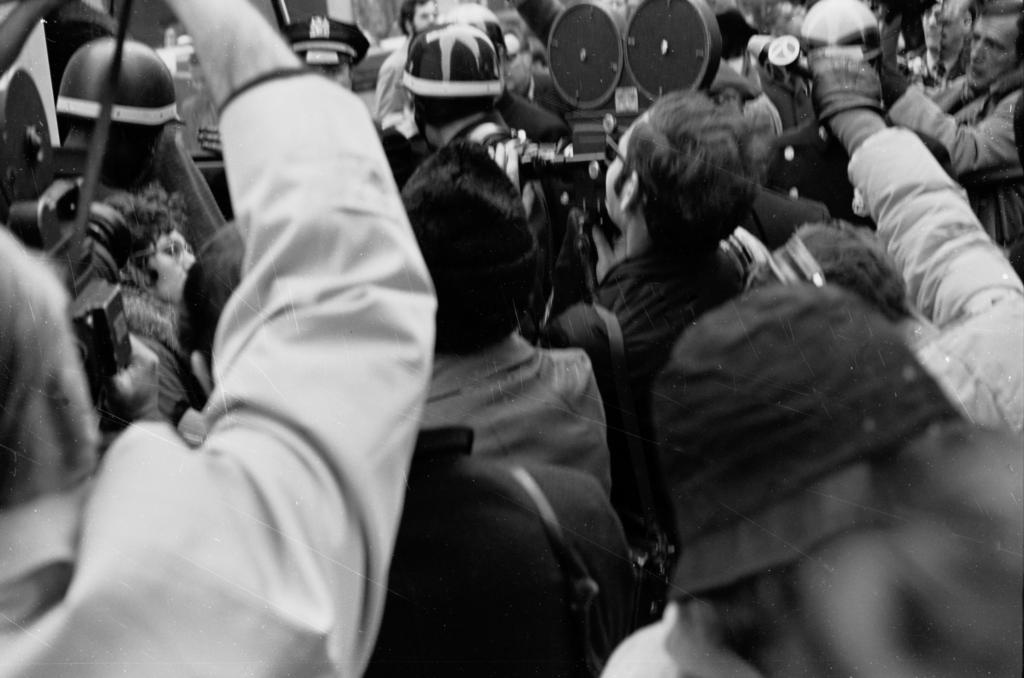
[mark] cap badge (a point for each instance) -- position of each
(319, 28)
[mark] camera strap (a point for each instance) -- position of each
(624, 394)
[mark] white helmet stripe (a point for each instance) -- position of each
(130, 114)
(453, 89)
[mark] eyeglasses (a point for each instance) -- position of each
(175, 249)
(611, 150)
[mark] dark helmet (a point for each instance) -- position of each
(145, 89)
(478, 16)
(452, 62)
(840, 23)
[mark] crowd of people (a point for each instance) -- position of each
(412, 411)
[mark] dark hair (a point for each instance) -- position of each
(439, 112)
(210, 283)
(149, 213)
(471, 226)
(407, 11)
(854, 259)
(699, 168)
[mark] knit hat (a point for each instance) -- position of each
(472, 230)
(789, 388)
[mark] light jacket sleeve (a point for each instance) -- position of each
(955, 275)
(987, 145)
(265, 552)
(949, 263)
(325, 348)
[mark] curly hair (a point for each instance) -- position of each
(699, 169)
(149, 213)
(856, 260)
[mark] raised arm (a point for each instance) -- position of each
(288, 514)
(988, 145)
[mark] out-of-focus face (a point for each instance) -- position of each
(994, 50)
(424, 17)
(611, 196)
(946, 26)
(519, 70)
(340, 73)
(170, 260)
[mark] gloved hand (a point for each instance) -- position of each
(843, 81)
(894, 84)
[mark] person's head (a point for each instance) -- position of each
(48, 429)
(210, 283)
(519, 61)
(161, 256)
(416, 16)
(854, 259)
(946, 26)
(686, 175)
(453, 73)
(144, 102)
(998, 44)
(781, 421)
(331, 47)
(471, 226)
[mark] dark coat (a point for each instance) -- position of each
(790, 93)
(476, 588)
(808, 162)
(655, 299)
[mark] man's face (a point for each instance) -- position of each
(993, 52)
(519, 70)
(424, 17)
(611, 196)
(170, 260)
(945, 28)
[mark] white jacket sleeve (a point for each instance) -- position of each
(325, 348)
(949, 263)
(954, 274)
(266, 552)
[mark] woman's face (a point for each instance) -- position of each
(171, 259)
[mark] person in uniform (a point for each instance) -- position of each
(806, 161)
(331, 47)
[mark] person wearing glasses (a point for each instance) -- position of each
(152, 284)
(681, 178)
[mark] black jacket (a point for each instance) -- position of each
(476, 587)
(655, 299)
(808, 162)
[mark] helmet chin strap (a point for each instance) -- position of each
(98, 142)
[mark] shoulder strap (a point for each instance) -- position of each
(617, 353)
(583, 590)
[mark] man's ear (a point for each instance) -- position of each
(629, 195)
(201, 370)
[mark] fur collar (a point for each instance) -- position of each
(152, 318)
